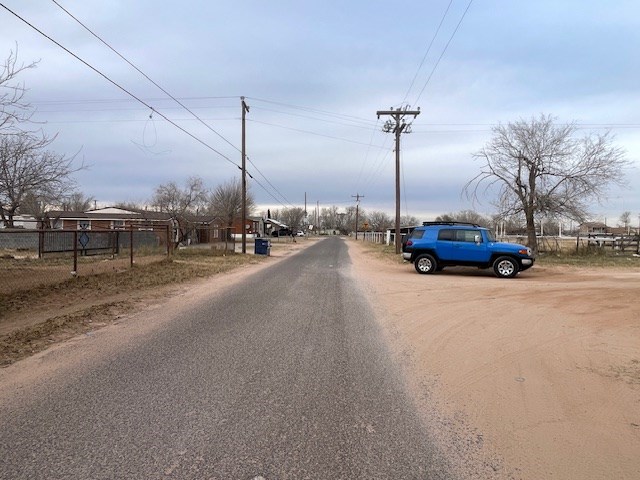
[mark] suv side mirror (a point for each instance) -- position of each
(478, 239)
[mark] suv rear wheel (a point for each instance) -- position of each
(425, 263)
(505, 267)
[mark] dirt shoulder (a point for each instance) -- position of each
(537, 376)
(35, 319)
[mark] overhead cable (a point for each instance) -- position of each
(146, 76)
(311, 133)
(424, 58)
(113, 82)
(272, 186)
(443, 52)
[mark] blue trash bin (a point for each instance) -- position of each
(262, 247)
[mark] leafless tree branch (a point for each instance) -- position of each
(540, 168)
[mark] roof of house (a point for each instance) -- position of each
(276, 223)
(110, 214)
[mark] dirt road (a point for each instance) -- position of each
(538, 375)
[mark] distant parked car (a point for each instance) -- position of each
(299, 233)
(283, 232)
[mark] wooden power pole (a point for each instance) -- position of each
(396, 124)
(243, 216)
(357, 196)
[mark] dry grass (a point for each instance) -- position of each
(590, 258)
(96, 300)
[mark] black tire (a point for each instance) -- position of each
(505, 267)
(425, 263)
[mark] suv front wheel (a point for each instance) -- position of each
(425, 263)
(505, 267)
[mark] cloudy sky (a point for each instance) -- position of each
(314, 73)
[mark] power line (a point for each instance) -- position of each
(116, 100)
(443, 51)
(202, 142)
(315, 110)
(354, 125)
(268, 192)
(145, 75)
(144, 102)
(366, 155)
(267, 180)
(168, 94)
(428, 50)
(309, 132)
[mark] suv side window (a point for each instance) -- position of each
(417, 234)
(446, 234)
(467, 235)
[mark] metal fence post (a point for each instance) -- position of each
(168, 239)
(131, 245)
(75, 253)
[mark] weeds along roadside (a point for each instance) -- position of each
(103, 288)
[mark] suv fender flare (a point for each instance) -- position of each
(428, 251)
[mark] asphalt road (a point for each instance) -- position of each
(286, 376)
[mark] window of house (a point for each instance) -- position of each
(84, 224)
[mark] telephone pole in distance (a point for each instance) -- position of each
(357, 196)
(397, 125)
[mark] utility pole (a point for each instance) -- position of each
(357, 196)
(396, 124)
(245, 109)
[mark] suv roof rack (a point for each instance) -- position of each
(426, 224)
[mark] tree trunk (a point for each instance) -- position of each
(532, 240)
(7, 217)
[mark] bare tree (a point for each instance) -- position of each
(130, 205)
(408, 221)
(293, 217)
(468, 216)
(346, 220)
(13, 108)
(379, 221)
(539, 168)
(508, 224)
(28, 168)
(625, 220)
(37, 206)
(78, 202)
(171, 198)
(178, 202)
(226, 202)
(329, 217)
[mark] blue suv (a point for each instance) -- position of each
(436, 245)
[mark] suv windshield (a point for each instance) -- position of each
(490, 236)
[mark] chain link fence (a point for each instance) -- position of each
(34, 258)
